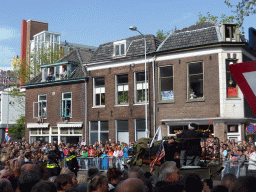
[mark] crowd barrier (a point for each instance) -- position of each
(99, 162)
(238, 168)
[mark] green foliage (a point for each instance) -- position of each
(209, 17)
(18, 130)
(241, 10)
(160, 34)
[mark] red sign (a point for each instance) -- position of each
(251, 128)
(245, 76)
(232, 92)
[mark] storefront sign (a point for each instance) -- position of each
(251, 128)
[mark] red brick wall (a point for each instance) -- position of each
(119, 112)
(180, 108)
(53, 103)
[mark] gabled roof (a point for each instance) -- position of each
(135, 48)
(195, 35)
(77, 55)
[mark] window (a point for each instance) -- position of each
(230, 81)
(232, 128)
(122, 131)
(119, 49)
(166, 83)
(98, 131)
(122, 89)
(99, 91)
(140, 87)
(55, 130)
(40, 107)
(66, 105)
(195, 80)
(140, 126)
(230, 31)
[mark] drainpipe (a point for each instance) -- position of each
(154, 95)
(85, 105)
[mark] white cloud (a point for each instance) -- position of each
(6, 54)
(8, 33)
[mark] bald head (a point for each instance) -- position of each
(65, 171)
(131, 185)
(4, 173)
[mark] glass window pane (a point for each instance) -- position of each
(97, 99)
(93, 138)
(116, 49)
(94, 125)
(64, 130)
(34, 131)
(122, 49)
(122, 79)
(54, 130)
(123, 137)
(104, 125)
(196, 85)
(195, 68)
(140, 134)
(140, 77)
(42, 97)
(102, 98)
(166, 71)
(167, 84)
(140, 124)
(104, 137)
(45, 131)
(68, 103)
(66, 95)
(122, 125)
(99, 81)
(77, 130)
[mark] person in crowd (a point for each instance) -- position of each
(63, 182)
(85, 157)
(72, 160)
(44, 186)
(190, 147)
(52, 179)
(244, 184)
(131, 185)
(168, 172)
(114, 177)
(110, 157)
(5, 186)
(50, 76)
(228, 179)
(219, 188)
(104, 161)
(170, 147)
(28, 179)
(92, 172)
(98, 184)
(191, 183)
(81, 179)
(52, 165)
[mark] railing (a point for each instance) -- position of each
(99, 162)
(238, 168)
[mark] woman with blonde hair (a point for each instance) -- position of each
(98, 184)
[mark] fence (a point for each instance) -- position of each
(239, 168)
(99, 162)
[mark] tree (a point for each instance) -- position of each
(222, 19)
(160, 34)
(243, 9)
(18, 130)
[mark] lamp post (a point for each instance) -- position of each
(133, 28)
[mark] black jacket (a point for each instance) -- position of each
(191, 141)
(170, 150)
(53, 168)
(72, 161)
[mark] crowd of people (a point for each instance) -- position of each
(39, 167)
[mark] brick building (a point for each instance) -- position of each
(188, 80)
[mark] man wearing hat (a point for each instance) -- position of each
(71, 160)
(190, 145)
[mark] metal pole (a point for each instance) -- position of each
(8, 104)
(146, 98)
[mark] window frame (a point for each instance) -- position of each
(41, 101)
(94, 93)
(188, 82)
(123, 85)
(228, 62)
(116, 125)
(65, 101)
(119, 44)
(159, 84)
(99, 131)
(135, 125)
(143, 84)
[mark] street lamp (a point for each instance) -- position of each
(133, 28)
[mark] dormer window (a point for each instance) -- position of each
(230, 33)
(119, 48)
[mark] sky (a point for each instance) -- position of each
(95, 22)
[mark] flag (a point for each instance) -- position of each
(160, 154)
(157, 136)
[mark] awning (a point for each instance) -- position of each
(70, 124)
(37, 125)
